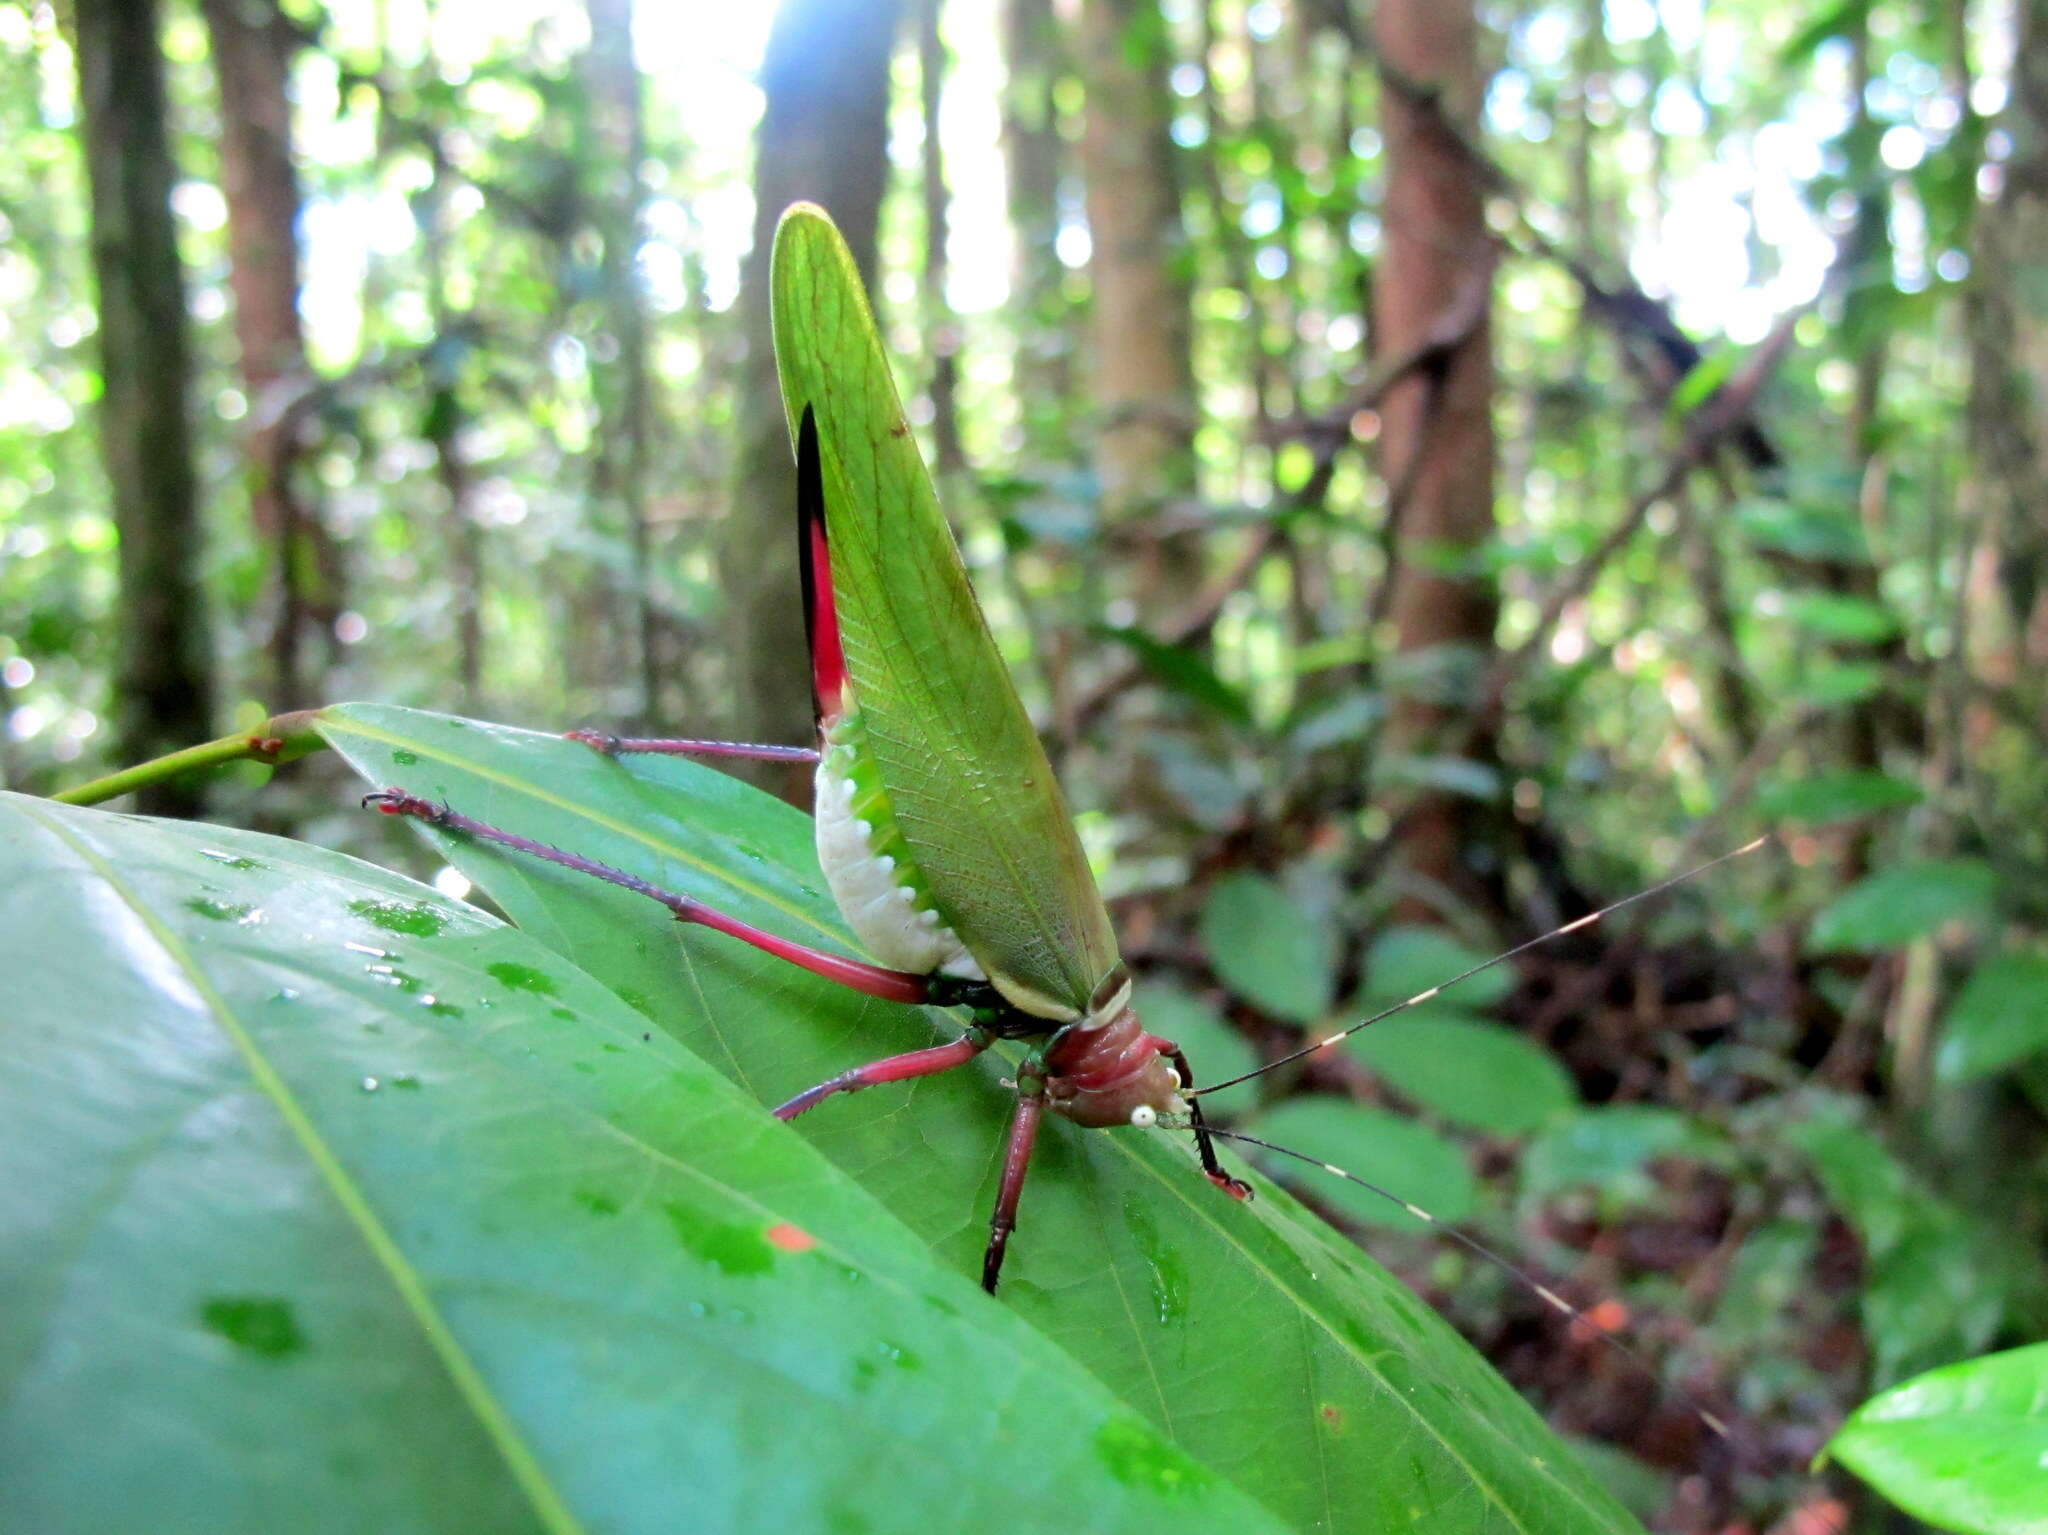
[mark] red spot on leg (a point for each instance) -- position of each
(1234, 1187)
(790, 1239)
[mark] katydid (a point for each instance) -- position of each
(940, 829)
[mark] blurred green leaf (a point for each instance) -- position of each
(1349, 718)
(2000, 1018)
(1215, 1050)
(1405, 1159)
(1408, 958)
(1608, 1146)
(1963, 1447)
(1824, 798)
(1267, 950)
(1804, 530)
(1473, 1073)
(1894, 906)
(1934, 1283)
(1453, 775)
(1182, 670)
(1837, 616)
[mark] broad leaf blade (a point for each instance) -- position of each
(1228, 1327)
(1962, 1447)
(334, 1205)
(967, 778)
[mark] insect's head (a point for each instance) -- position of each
(1106, 1071)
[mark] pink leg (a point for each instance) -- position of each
(874, 980)
(616, 746)
(1016, 1161)
(891, 1068)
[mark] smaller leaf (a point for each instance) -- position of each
(1835, 616)
(1453, 775)
(1216, 1052)
(1805, 531)
(1607, 1147)
(1907, 901)
(1267, 949)
(1473, 1073)
(1183, 671)
(1400, 1156)
(2000, 1018)
(1962, 1447)
(1832, 686)
(1826, 798)
(1410, 958)
(1350, 718)
(1862, 1179)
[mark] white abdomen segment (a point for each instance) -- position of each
(885, 914)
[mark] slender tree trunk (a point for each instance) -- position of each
(1142, 383)
(253, 48)
(942, 335)
(164, 666)
(1032, 153)
(627, 396)
(1437, 435)
(823, 136)
(2007, 610)
(445, 419)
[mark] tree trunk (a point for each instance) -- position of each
(164, 666)
(626, 399)
(1142, 383)
(823, 136)
(253, 47)
(2007, 606)
(1437, 434)
(941, 333)
(1032, 151)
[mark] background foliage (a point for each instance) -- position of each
(1763, 549)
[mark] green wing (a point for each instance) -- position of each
(967, 779)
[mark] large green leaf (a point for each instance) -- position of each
(1964, 1447)
(333, 1205)
(1250, 1335)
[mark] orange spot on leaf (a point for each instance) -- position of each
(790, 1239)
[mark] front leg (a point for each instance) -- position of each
(891, 1068)
(1016, 1162)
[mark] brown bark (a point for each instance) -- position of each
(1437, 430)
(1142, 384)
(823, 136)
(625, 396)
(942, 335)
(2007, 606)
(1032, 152)
(164, 666)
(253, 46)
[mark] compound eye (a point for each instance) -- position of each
(1144, 1116)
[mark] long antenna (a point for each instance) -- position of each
(1423, 996)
